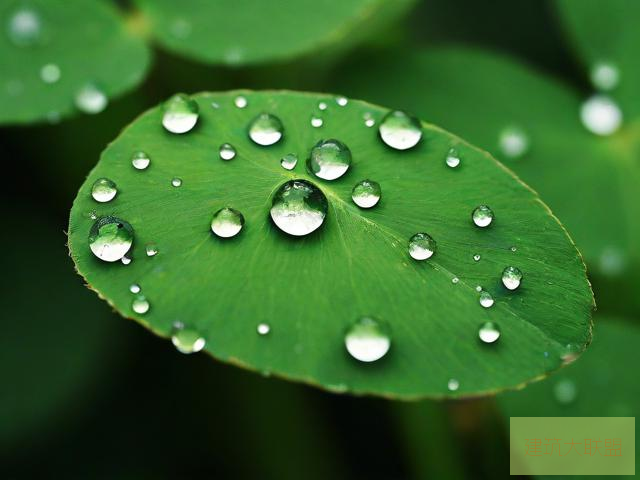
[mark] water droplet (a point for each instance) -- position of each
(176, 182)
(477, 257)
(513, 142)
(513, 249)
(605, 76)
(289, 161)
(400, 130)
(478, 288)
(103, 190)
(367, 340)
(369, 121)
(366, 193)
(263, 328)
(422, 246)
(453, 158)
(215, 105)
(134, 288)
(322, 106)
(342, 101)
(329, 159)
(151, 249)
(24, 27)
(140, 160)
(50, 73)
(227, 222)
(601, 115)
(489, 332)
(90, 99)
(316, 122)
(140, 305)
(565, 391)
(186, 340)
(240, 101)
(511, 277)
(180, 114)
(298, 207)
(486, 300)
(227, 152)
(612, 261)
(482, 216)
(453, 384)
(110, 238)
(455, 280)
(125, 260)
(266, 129)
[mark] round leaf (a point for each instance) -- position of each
(311, 289)
(59, 56)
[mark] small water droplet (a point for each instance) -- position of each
(298, 207)
(50, 73)
(186, 340)
(342, 101)
(140, 305)
(513, 142)
(422, 246)
(366, 193)
(140, 160)
(513, 249)
(400, 130)
(125, 260)
(289, 161)
(482, 216)
(263, 328)
(511, 277)
(316, 122)
(486, 300)
(227, 152)
(601, 115)
(90, 99)
(369, 121)
(266, 129)
(215, 105)
(176, 182)
(453, 384)
(367, 340)
(565, 391)
(240, 101)
(151, 249)
(103, 190)
(455, 280)
(329, 159)
(478, 288)
(605, 76)
(489, 332)
(134, 288)
(322, 106)
(180, 113)
(24, 27)
(453, 158)
(227, 222)
(477, 257)
(110, 238)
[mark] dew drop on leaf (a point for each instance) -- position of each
(329, 159)
(400, 130)
(240, 101)
(369, 121)
(453, 385)
(103, 190)
(511, 277)
(90, 99)
(186, 340)
(140, 160)
(180, 114)
(453, 158)
(322, 106)
(316, 122)
(477, 257)
(176, 182)
(110, 238)
(342, 101)
(289, 161)
(601, 115)
(266, 129)
(24, 27)
(489, 332)
(604, 76)
(298, 207)
(367, 340)
(482, 216)
(565, 391)
(134, 288)
(263, 328)
(486, 300)
(125, 260)
(151, 249)
(50, 73)
(227, 222)
(366, 193)
(227, 151)
(140, 305)
(422, 246)
(513, 142)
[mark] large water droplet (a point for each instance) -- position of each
(513, 142)
(103, 190)
(289, 161)
(140, 304)
(90, 99)
(453, 158)
(511, 277)
(329, 159)
(366, 193)
(601, 115)
(400, 130)
(489, 332)
(50, 73)
(180, 113)
(565, 391)
(227, 152)
(367, 340)
(110, 238)
(482, 216)
(266, 129)
(298, 207)
(140, 160)
(605, 76)
(486, 300)
(186, 340)
(24, 27)
(227, 222)
(422, 246)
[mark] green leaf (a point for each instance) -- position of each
(59, 56)
(590, 182)
(311, 289)
(606, 33)
(242, 32)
